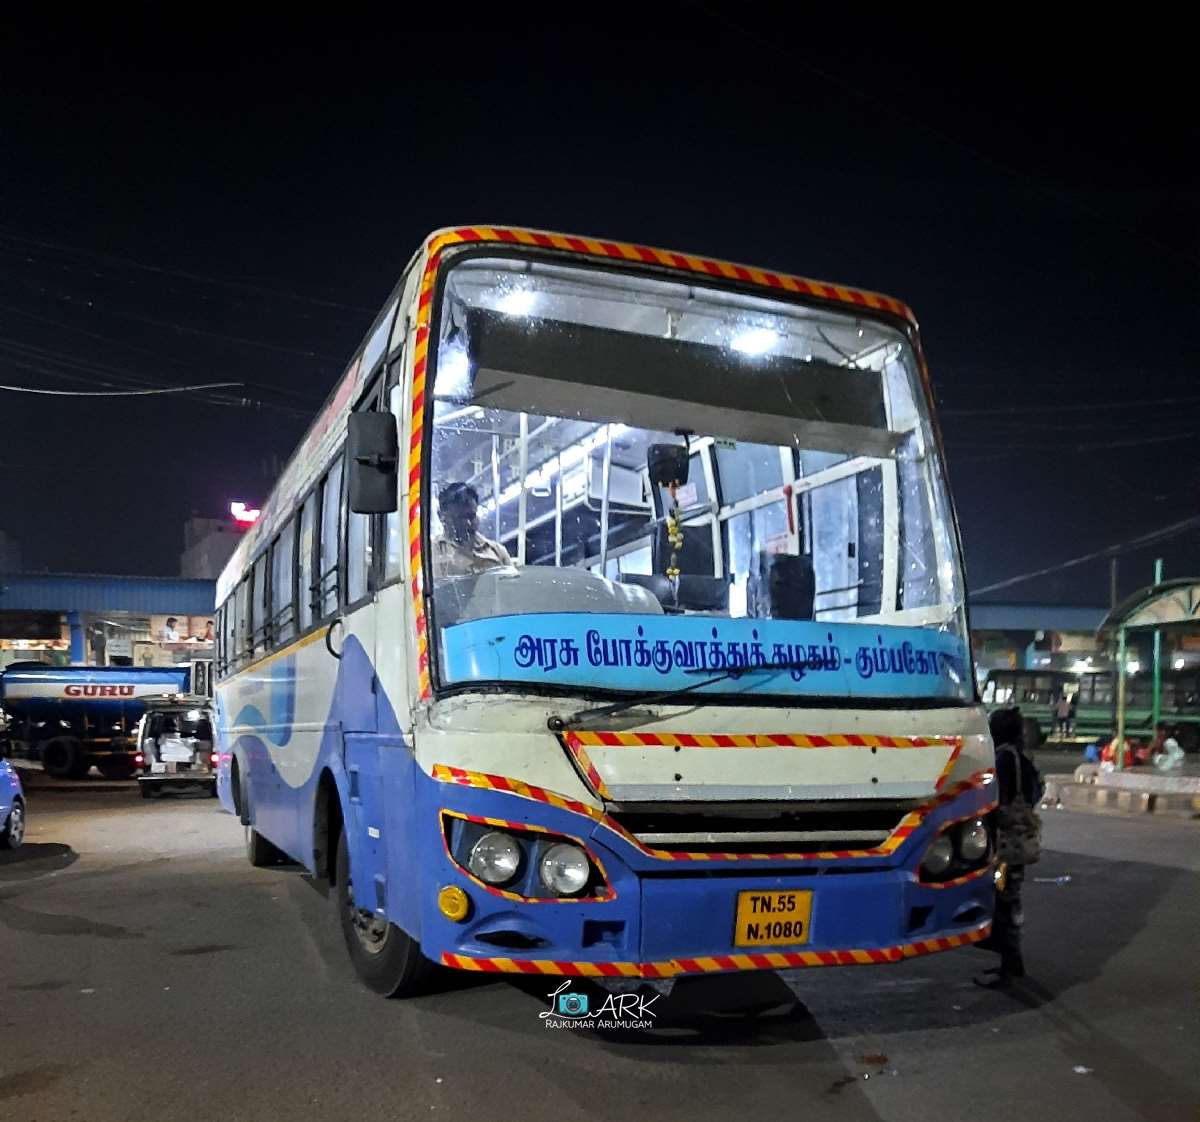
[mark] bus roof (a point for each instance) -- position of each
(326, 429)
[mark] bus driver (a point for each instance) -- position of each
(462, 550)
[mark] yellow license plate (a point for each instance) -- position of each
(772, 919)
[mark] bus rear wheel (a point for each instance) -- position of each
(386, 959)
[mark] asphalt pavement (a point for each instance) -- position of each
(148, 972)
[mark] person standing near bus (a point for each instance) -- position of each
(1018, 843)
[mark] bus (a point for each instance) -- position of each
(1036, 691)
(608, 622)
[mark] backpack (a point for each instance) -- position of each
(1018, 828)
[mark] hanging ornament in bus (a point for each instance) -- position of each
(668, 468)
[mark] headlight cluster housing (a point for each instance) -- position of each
(959, 849)
(524, 862)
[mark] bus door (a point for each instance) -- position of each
(355, 639)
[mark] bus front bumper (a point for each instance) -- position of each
(664, 918)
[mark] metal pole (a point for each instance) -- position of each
(1119, 747)
(558, 514)
(1112, 585)
(1156, 708)
(523, 469)
(604, 500)
(496, 481)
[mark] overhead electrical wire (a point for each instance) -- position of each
(201, 278)
(1017, 411)
(1152, 537)
(120, 393)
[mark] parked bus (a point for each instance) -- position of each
(647, 655)
(1036, 692)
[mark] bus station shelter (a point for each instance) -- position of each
(1166, 605)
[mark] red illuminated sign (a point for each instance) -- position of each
(244, 515)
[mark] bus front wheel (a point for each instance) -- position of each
(386, 959)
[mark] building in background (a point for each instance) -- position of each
(70, 618)
(209, 542)
(10, 553)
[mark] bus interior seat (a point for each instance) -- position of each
(781, 586)
(696, 593)
(698, 590)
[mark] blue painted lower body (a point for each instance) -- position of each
(657, 910)
(671, 909)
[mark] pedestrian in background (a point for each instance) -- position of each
(1018, 843)
(1062, 716)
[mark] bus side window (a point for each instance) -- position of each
(240, 623)
(395, 534)
(329, 562)
(259, 628)
(306, 586)
(989, 692)
(358, 556)
(282, 615)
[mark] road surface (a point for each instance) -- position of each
(148, 972)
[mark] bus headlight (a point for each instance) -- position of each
(973, 840)
(938, 856)
(495, 858)
(565, 869)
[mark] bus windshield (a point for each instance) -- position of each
(635, 480)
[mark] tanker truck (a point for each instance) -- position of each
(75, 717)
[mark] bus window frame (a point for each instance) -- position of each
(455, 256)
(320, 592)
(370, 401)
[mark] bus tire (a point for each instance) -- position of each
(260, 852)
(61, 757)
(386, 959)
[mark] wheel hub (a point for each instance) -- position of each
(372, 930)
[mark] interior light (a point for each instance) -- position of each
(755, 341)
(1080, 666)
(1133, 666)
(517, 302)
(453, 373)
(1179, 664)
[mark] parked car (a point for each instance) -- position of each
(175, 745)
(12, 807)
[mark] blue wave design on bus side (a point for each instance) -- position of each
(281, 700)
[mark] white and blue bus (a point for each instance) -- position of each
(609, 622)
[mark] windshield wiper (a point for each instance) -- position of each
(563, 724)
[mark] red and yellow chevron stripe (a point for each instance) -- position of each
(623, 251)
(754, 740)
(907, 826)
(605, 893)
(716, 964)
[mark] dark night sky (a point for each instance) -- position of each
(1034, 196)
